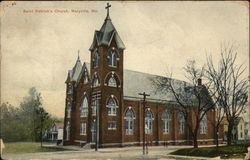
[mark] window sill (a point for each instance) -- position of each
(83, 134)
(112, 115)
(83, 116)
(165, 133)
(112, 86)
(112, 66)
(129, 134)
(111, 129)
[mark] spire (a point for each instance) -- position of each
(107, 8)
(78, 58)
(106, 34)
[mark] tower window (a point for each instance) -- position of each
(96, 80)
(70, 88)
(83, 128)
(68, 110)
(112, 82)
(84, 108)
(96, 59)
(111, 125)
(85, 81)
(112, 106)
(112, 58)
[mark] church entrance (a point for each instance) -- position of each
(93, 131)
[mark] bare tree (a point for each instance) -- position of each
(192, 98)
(228, 80)
(213, 88)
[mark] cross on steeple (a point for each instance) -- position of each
(107, 7)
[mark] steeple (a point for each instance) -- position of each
(76, 69)
(78, 58)
(106, 34)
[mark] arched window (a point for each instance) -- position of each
(181, 122)
(129, 119)
(68, 130)
(68, 110)
(96, 80)
(84, 108)
(148, 122)
(112, 58)
(96, 59)
(86, 80)
(83, 128)
(70, 88)
(203, 125)
(166, 121)
(112, 106)
(112, 82)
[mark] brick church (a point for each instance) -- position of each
(102, 101)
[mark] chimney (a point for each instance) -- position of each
(199, 82)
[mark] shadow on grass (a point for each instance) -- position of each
(234, 151)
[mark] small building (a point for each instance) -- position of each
(239, 130)
(55, 133)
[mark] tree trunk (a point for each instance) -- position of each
(229, 133)
(217, 136)
(195, 141)
(195, 137)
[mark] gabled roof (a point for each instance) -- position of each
(85, 67)
(74, 73)
(59, 125)
(106, 34)
(138, 82)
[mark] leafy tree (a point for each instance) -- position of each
(27, 122)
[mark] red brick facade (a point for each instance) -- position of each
(83, 86)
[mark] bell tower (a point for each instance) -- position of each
(106, 73)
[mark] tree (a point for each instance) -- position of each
(192, 98)
(27, 122)
(228, 79)
(43, 116)
(29, 107)
(11, 127)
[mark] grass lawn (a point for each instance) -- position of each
(28, 148)
(235, 151)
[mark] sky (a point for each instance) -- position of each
(40, 40)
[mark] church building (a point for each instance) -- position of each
(103, 104)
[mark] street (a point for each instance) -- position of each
(126, 153)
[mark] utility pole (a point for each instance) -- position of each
(97, 121)
(143, 123)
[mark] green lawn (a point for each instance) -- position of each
(236, 151)
(28, 148)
